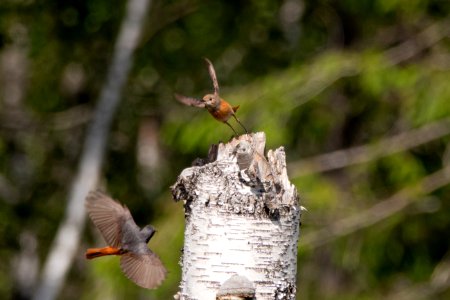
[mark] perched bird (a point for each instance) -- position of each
(244, 155)
(257, 172)
(253, 163)
(125, 239)
(220, 109)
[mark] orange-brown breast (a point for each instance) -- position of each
(224, 112)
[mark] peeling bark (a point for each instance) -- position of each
(242, 221)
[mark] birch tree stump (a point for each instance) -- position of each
(242, 223)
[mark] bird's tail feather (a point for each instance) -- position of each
(97, 252)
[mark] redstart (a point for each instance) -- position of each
(253, 163)
(125, 239)
(220, 109)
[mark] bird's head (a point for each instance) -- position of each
(147, 232)
(210, 101)
(243, 147)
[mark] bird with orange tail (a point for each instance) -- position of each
(220, 109)
(125, 239)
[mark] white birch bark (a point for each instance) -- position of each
(240, 236)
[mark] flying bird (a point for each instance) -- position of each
(125, 239)
(220, 109)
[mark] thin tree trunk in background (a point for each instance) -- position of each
(242, 224)
(67, 237)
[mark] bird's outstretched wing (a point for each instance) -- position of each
(212, 74)
(108, 216)
(189, 100)
(146, 270)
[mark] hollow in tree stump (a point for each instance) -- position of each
(242, 223)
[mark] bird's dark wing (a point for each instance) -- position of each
(189, 100)
(108, 216)
(146, 270)
(212, 74)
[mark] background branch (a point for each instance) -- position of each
(423, 40)
(361, 154)
(378, 212)
(318, 80)
(67, 237)
(438, 282)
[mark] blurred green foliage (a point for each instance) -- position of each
(315, 76)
